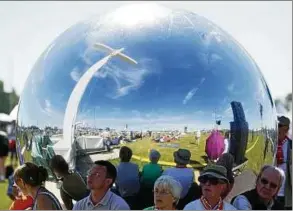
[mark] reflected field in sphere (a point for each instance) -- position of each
(149, 81)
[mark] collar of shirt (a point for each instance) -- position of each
(270, 205)
(104, 201)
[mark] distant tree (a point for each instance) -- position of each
(7, 100)
(286, 102)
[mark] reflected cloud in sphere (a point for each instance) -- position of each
(147, 77)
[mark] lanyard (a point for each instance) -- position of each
(207, 206)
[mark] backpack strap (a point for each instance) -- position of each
(54, 199)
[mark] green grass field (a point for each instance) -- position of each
(5, 201)
(142, 147)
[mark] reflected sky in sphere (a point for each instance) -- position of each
(190, 76)
(188, 72)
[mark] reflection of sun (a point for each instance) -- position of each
(138, 13)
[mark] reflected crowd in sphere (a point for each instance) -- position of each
(165, 80)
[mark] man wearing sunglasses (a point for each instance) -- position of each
(213, 181)
(284, 161)
(263, 196)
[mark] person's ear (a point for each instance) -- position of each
(109, 181)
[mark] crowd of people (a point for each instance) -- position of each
(125, 187)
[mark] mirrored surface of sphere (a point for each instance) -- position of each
(146, 77)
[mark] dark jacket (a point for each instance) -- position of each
(288, 175)
(256, 203)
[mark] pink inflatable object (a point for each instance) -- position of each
(214, 145)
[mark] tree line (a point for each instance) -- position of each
(7, 100)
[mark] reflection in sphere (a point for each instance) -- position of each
(146, 77)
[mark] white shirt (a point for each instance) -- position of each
(197, 205)
(283, 166)
(198, 134)
(226, 143)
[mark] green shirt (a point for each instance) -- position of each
(150, 173)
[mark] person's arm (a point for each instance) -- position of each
(67, 200)
(242, 203)
(44, 203)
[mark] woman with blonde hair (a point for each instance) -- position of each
(167, 192)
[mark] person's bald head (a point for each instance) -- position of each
(269, 182)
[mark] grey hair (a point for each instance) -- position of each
(277, 169)
(170, 184)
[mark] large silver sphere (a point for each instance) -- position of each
(147, 77)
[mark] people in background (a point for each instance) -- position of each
(213, 182)
(73, 187)
(181, 172)
(127, 182)
(10, 128)
(4, 149)
(263, 196)
(226, 142)
(99, 181)
(151, 171)
(12, 150)
(284, 161)
(167, 192)
(30, 179)
(198, 134)
(227, 160)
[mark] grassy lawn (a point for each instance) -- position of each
(5, 201)
(142, 147)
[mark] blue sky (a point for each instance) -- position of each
(183, 77)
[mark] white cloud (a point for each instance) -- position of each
(75, 75)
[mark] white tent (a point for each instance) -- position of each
(5, 118)
(13, 113)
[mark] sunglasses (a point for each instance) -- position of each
(211, 180)
(265, 182)
(280, 125)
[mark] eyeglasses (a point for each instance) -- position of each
(93, 174)
(162, 193)
(264, 181)
(211, 180)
